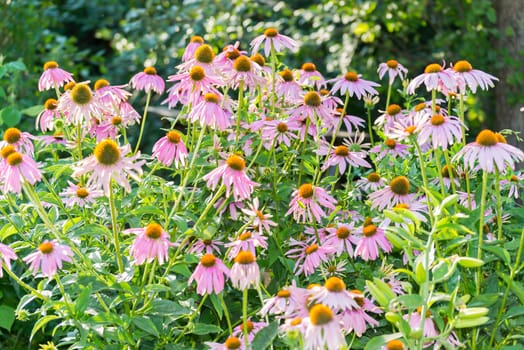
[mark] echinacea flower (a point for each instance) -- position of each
(79, 195)
(491, 151)
(21, 141)
(287, 86)
(466, 76)
(311, 107)
(79, 105)
(442, 130)
(171, 149)
(111, 95)
(390, 147)
(6, 255)
(109, 162)
(371, 183)
(258, 218)
(205, 246)
(49, 258)
(514, 184)
(45, 120)
(323, 329)
(373, 238)
(273, 39)
(393, 69)
(148, 81)
(209, 112)
(356, 319)
(233, 177)
(447, 172)
(246, 241)
(151, 242)
(17, 168)
(189, 52)
(396, 192)
(434, 78)
(333, 294)
(191, 85)
(53, 77)
(209, 275)
(341, 238)
(231, 343)
(429, 328)
(307, 202)
(204, 57)
(308, 256)
(389, 117)
(309, 76)
(252, 329)
(342, 156)
(246, 72)
(353, 84)
(245, 271)
(289, 301)
(280, 131)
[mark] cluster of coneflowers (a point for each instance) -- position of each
(282, 126)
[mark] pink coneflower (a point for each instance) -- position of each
(331, 101)
(351, 122)
(205, 246)
(466, 76)
(209, 112)
(224, 61)
(389, 117)
(429, 328)
(111, 95)
(434, 78)
(45, 120)
(79, 195)
(234, 207)
(151, 242)
(231, 343)
(392, 68)
(356, 319)
(191, 85)
(390, 147)
(308, 256)
(307, 202)
(49, 258)
(171, 148)
(342, 156)
(290, 301)
(252, 329)
(209, 275)
(6, 255)
(258, 218)
(287, 86)
(373, 238)
(443, 131)
(323, 329)
(403, 128)
(233, 176)
(21, 141)
(513, 184)
(341, 238)
(245, 271)
(247, 241)
(189, 52)
(53, 77)
(109, 162)
(128, 114)
(79, 105)
(246, 71)
(396, 192)
(491, 151)
(447, 172)
(273, 39)
(394, 344)
(309, 76)
(280, 131)
(353, 84)
(334, 295)
(371, 183)
(418, 208)
(148, 81)
(15, 168)
(56, 138)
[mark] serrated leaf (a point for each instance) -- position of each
(204, 328)
(145, 324)
(41, 323)
(265, 336)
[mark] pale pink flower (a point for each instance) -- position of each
(171, 149)
(393, 114)
(442, 130)
(373, 239)
(434, 78)
(111, 95)
(79, 195)
(79, 105)
(371, 183)
(273, 39)
(45, 120)
(307, 202)
(356, 319)
(353, 84)
(6, 255)
(446, 177)
(308, 256)
(513, 184)
(390, 147)
(205, 246)
(233, 177)
(280, 131)
(21, 141)
(191, 85)
(323, 329)
(343, 156)
(247, 72)
(466, 76)
(258, 218)
(189, 52)
(148, 81)
(16, 168)
(395, 193)
(393, 69)
(352, 122)
(309, 76)
(333, 294)
(231, 343)
(209, 275)
(245, 271)
(429, 328)
(224, 61)
(49, 258)
(290, 301)
(234, 207)
(151, 242)
(287, 86)
(209, 112)
(204, 57)
(341, 238)
(252, 327)
(53, 77)
(246, 241)
(109, 162)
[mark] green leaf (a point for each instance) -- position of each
(83, 300)
(204, 328)
(377, 342)
(265, 336)
(516, 287)
(41, 323)
(485, 300)
(514, 312)
(7, 317)
(145, 324)
(168, 308)
(10, 116)
(500, 253)
(470, 322)
(16, 66)
(33, 111)
(470, 262)
(411, 301)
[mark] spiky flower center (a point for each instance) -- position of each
(207, 242)
(232, 343)
(311, 249)
(393, 64)
(249, 326)
(500, 138)
(335, 285)
(402, 206)
(260, 215)
(283, 294)
(514, 178)
(373, 177)
(173, 136)
(197, 39)
(359, 297)
(320, 314)
(69, 85)
(211, 97)
(393, 109)
(433, 68)
(351, 76)
(462, 67)
(390, 143)
(419, 310)
(487, 138)
(296, 321)
(7, 150)
(51, 104)
(342, 151)
(369, 230)
(197, 73)
(258, 59)
(309, 67)
(410, 129)
(46, 248)
(100, 83)
(420, 107)
(232, 54)
(306, 191)
(116, 120)
(153, 230)
(208, 260)
(107, 152)
(242, 64)
(245, 236)
(287, 75)
(14, 159)
(270, 32)
(81, 192)
(245, 258)
(437, 119)
(399, 185)
(343, 232)
(50, 65)
(236, 162)
(81, 94)
(312, 99)
(150, 70)
(204, 54)
(282, 127)
(446, 170)
(12, 135)
(395, 345)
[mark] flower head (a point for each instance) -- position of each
(79, 195)
(393, 68)
(397, 192)
(273, 39)
(209, 275)
(53, 77)
(373, 238)
(16, 168)
(171, 149)
(6, 255)
(434, 78)
(466, 76)
(443, 131)
(323, 329)
(307, 202)
(245, 271)
(353, 84)
(308, 256)
(148, 80)
(49, 258)
(151, 242)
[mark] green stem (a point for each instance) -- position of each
(481, 228)
(114, 225)
(424, 179)
(244, 316)
(240, 108)
(370, 127)
(389, 94)
(143, 122)
(226, 313)
(304, 143)
(450, 172)
(23, 284)
(191, 318)
(499, 204)
(439, 169)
